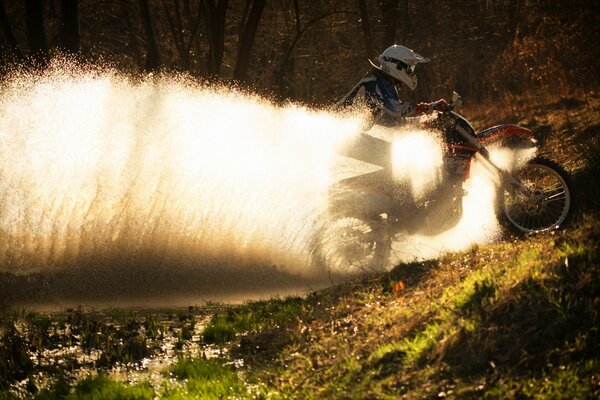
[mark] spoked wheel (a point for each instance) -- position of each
(547, 202)
(352, 245)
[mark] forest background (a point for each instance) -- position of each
(526, 309)
(314, 51)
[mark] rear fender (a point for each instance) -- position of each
(508, 135)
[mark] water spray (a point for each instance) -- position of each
(118, 179)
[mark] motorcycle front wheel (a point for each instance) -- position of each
(545, 205)
(350, 245)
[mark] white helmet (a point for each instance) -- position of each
(399, 62)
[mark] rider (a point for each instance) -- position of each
(378, 89)
(396, 64)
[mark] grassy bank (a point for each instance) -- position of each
(513, 319)
(516, 319)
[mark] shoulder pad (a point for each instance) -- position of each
(368, 78)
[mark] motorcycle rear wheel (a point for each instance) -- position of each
(547, 206)
(352, 245)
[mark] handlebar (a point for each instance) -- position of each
(456, 100)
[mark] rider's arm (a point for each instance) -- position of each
(350, 97)
(394, 107)
(399, 109)
(385, 93)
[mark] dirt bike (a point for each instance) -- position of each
(366, 211)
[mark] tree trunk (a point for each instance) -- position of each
(125, 15)
(36, 36)
(214, 19)
(281, 69)
(176, 28)
(69, 35)
(389, 20)
(366, 27)
(405, 27)
(286, 86)
(195, 28)
(153, 56)
(247, 40)
(12, 43)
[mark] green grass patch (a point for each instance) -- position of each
(99, 387)
(210, 379)
(103, 388)
(522, 315)
(563, 382)
(252, 317)
(515, 319)
(219, 331)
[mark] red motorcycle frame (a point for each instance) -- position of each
(366, 211)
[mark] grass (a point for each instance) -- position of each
(557, 382)
(509, 321)
(209, 379)
(516, 319)
(101, 387)
(252, 317)
(518, 315)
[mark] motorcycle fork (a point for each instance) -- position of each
(506, 178)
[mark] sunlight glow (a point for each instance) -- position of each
(97, 168)
(92, 163)
(417, 158)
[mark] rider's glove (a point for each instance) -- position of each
(426, 108)
(440, 105)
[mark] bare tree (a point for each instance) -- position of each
(178, 29)
(389, 18)
(153, 56)
(214, 20)
(405, 27)
(282, 67)
(247, 39)
(69, 34)
(124, 14)
(36, 36)
(366, 27)
(12, 44)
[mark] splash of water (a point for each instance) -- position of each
(108, 181)
(97, 169)
(417, 157)
(479, 223)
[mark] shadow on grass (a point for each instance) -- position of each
(586, 182)
(539, 323)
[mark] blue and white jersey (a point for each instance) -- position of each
(380, 95)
